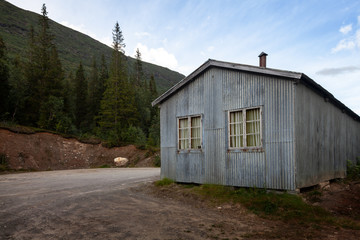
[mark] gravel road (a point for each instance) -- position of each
(71, 204)
(106, 204)
(121, 203)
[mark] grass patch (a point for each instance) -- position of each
(163, 182)
(271, 205)
(105, 166)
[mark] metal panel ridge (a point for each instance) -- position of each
(235, 66)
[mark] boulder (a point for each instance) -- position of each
(120, 161)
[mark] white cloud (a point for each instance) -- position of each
(142, 34)
(346, 29)
(186, 70)
(79, 28)
(106, 40)
(158, 56)
(344, 44)
(337, 71)
(210, 49)
(352, 41)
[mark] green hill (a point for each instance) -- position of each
(73, 47)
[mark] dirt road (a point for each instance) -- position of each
(104, 204)
(120, 204)
(73, 204)
(96, 204)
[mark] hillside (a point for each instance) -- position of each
(73, 46)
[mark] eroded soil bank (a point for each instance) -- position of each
(47, 151)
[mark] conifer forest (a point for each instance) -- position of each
(110, 102)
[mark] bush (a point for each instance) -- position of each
(157, 161)
(134, 135)
(353, 170)
(4, 162)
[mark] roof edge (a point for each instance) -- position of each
(328, 96)
(227, 65)
(259, 70)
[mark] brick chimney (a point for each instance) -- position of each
(262, 60)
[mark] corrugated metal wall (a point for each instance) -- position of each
(325, 139)
(212, 94)
(274, 166)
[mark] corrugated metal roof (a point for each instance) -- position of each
(293, 76)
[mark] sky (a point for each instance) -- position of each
(320, 38)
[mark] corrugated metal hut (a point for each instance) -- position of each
(249, 126)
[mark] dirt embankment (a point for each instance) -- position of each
(47, 151)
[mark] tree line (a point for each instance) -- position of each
(111, 102)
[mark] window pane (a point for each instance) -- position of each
(236, 129)
(250, 140)
(251, 114)
(183, 133)
(195, 143)
(183, 123)
(253, 127)
(195, 121)
(195, 132)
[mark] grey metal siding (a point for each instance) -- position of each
(168, 139)
(325, 139)
(274, 166)
(212, 94)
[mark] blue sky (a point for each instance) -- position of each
(319, 38)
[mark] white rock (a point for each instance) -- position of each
(120, 161)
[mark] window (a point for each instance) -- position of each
(245, 128)
(189, 132)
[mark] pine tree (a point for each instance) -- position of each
(33, 101)
(154, 129)
(92, 91)
(44, 48)
(4, 79)
(69, 96)
(80, 98)
(117, 111)
(152, 86)
(141, 94)
(138, 71)
(18, 90)
(153, 95)
(104, 75)
(44, 74)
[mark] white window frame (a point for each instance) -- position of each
(189, 131)
(244, 147)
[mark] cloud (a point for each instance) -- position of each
(344, 44)
(107, 41)
(79, 28)
(158, 56)
(352, 41)
(210, 49)
(142, 34)
(346, 29)
(337, 71)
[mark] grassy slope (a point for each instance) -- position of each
(73, 46)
